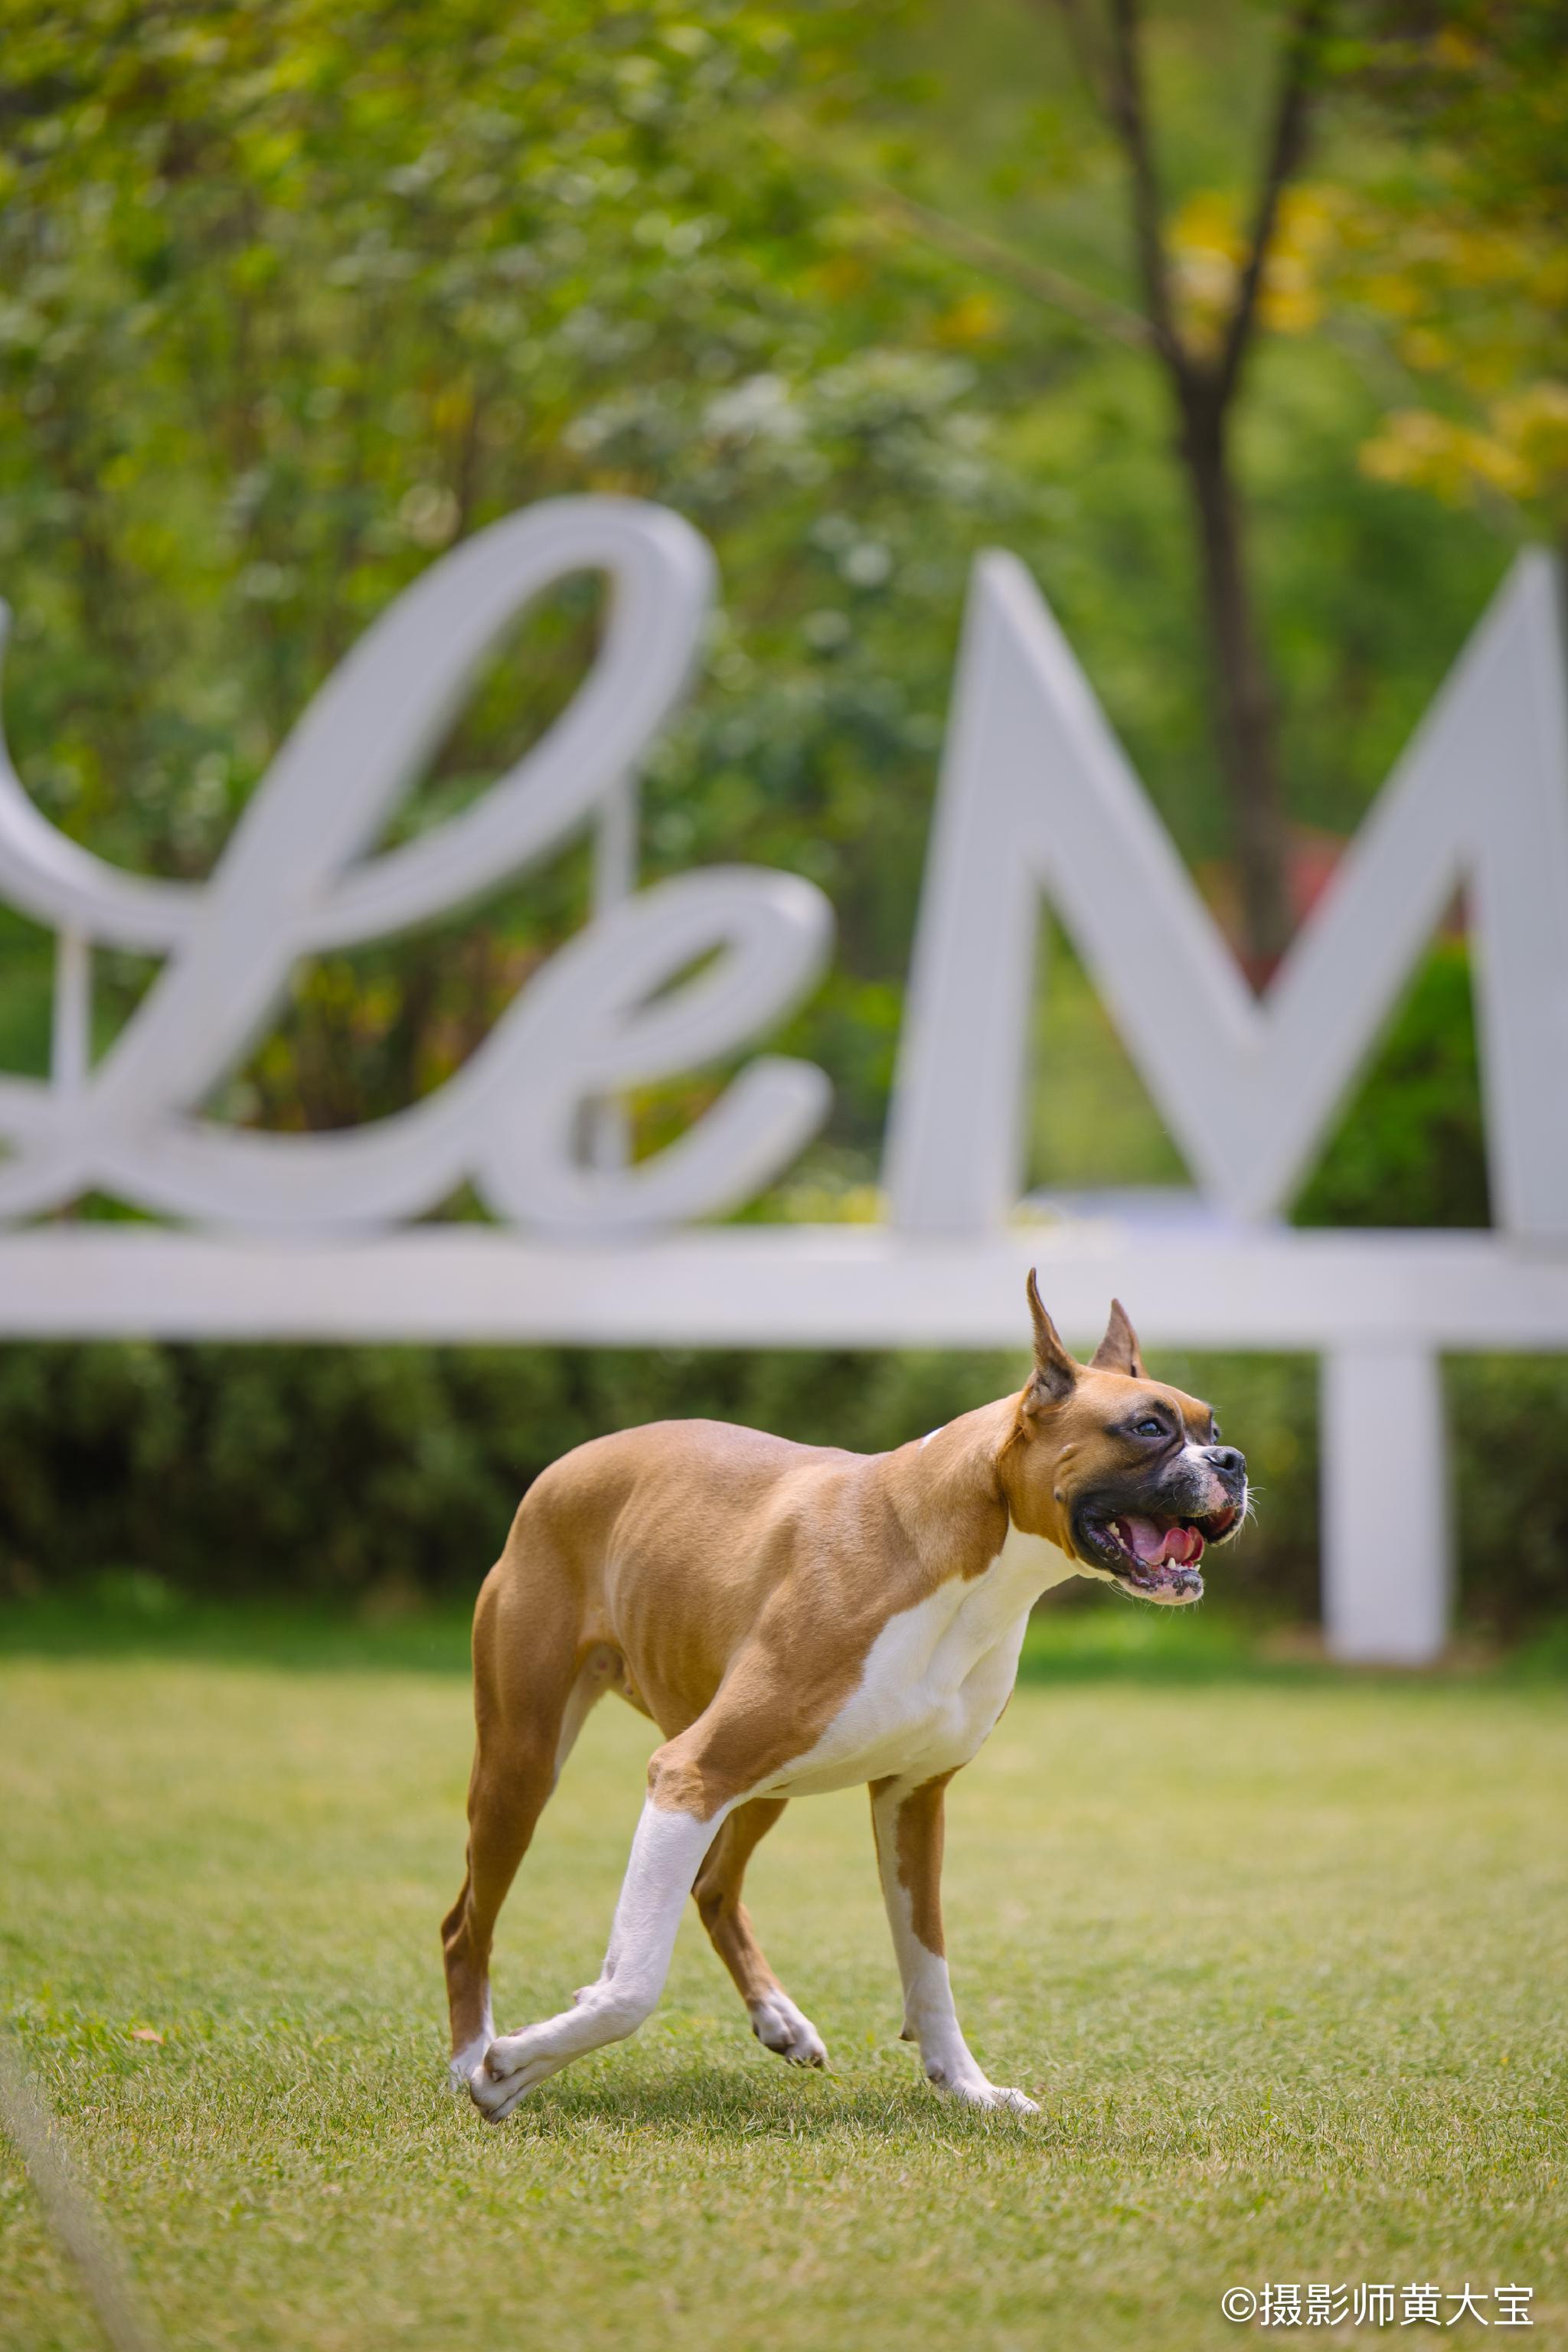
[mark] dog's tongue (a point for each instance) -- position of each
(1153, 1545)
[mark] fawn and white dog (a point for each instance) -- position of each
(796, 1619)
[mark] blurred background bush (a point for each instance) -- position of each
(388, 1475)
(291, 302)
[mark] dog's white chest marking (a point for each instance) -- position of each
(935, 1679)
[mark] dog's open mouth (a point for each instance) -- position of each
(1159, 1556)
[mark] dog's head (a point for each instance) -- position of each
(1126, 1475)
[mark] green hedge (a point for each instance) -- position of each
(1509, 1416)
(348, 1472)
(335, 1470)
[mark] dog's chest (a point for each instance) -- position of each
(935, 1679)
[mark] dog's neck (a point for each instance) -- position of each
(959, 1480)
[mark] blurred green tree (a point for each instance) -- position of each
(1194, 290)
(294, 301)
(1455, 251)
(1201, 326)
(295, 298)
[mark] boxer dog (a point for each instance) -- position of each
(795, 1618)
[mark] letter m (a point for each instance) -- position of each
(1036, 797)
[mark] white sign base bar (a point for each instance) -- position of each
(796, 1285)
(1379, 1308)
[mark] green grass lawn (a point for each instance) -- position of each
(1280, 1952)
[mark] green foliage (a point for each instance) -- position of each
(1508, 1415)
(350, 1472)
(1455, 253)
(1411, 1150)
(376, 1475)
(292, 300)
(338, 1471)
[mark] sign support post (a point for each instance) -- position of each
(1386, 1547)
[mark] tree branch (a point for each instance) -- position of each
(1093, 69)
(1129, 120)
(1046, 284)
(1286, 147)
(1052, 287)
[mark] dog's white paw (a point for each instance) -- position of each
(516, 2063)
(975, 2091)
(493, 2099)
(509, 2069)
(1017, 2103)
(780, 2026)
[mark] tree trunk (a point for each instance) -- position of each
(1243, 702)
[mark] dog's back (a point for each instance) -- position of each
(665, 1544)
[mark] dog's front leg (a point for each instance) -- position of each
(667, 1853)
(907, 1819)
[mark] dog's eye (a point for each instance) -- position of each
(1149, 1428)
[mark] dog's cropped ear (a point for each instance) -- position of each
(1054, 1374)
(1118, 1351)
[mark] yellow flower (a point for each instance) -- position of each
(1533, 426)
(972, 319)
(1422, 450)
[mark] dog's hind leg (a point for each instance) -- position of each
(775, 2020)
(531, 1698)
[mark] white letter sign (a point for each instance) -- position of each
(1036, 796)
(1037, 799)
(296, 879)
